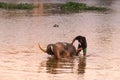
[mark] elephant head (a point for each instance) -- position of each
(60, 49)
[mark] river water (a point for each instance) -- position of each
(21, 31)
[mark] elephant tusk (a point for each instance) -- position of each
(44, 50)
(51, 47)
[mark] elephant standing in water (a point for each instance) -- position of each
(60, 49)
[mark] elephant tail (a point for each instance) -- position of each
(41, 48)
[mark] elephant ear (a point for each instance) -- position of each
(41, 48)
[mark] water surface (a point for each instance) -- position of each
(21, 31)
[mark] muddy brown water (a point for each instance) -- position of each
(21, 31)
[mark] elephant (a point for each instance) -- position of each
(60, 49)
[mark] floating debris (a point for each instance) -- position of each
(55, 25)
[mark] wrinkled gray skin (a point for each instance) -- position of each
(61, 49)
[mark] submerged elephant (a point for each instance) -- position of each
(60, 49)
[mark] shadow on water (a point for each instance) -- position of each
(73, 65)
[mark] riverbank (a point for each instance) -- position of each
(22, 6)
(69, 7)
(72, 7)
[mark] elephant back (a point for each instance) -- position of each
(71, 49)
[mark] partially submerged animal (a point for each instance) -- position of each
(60, 49)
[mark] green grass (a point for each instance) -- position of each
(96, 8)
(71, 7)
(16, 6)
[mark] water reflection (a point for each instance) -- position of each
(40, 8)
(74, 65)
(54, 66)
(44, 8)
(81, 65)
(38, 11)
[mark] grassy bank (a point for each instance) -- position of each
(16, 6)
(71, 7)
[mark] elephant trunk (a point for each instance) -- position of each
(41, 48)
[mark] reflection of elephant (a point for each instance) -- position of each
(54, 66)
(72, 65)
(60, 49)
(81, 65)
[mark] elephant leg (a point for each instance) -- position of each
(67, 54)
(56, 52)
(61, 49)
